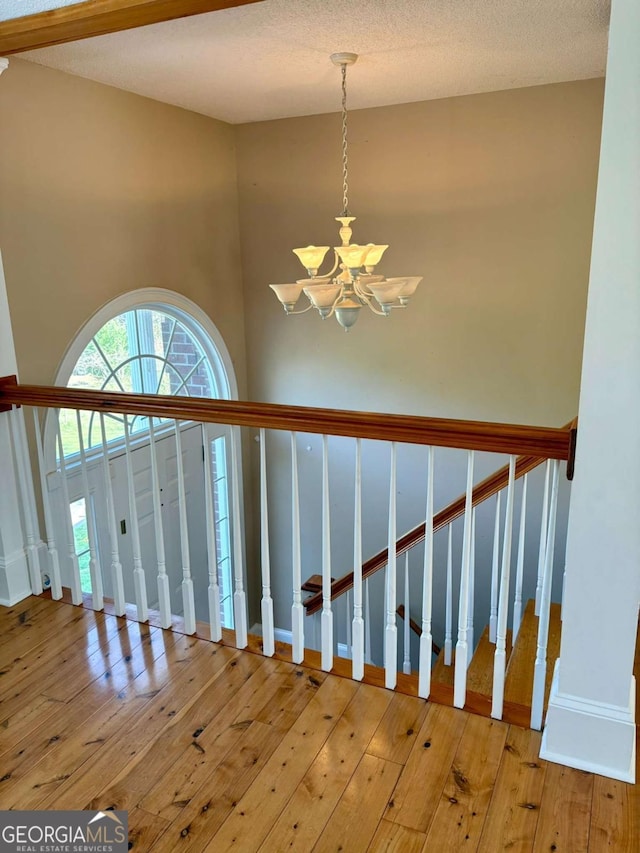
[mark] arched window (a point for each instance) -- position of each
(149, 342)
(151, 348)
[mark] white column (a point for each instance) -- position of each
(590, 720)
(14, 572)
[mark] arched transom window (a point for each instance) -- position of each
(146, 350)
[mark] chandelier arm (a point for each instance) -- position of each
(302, 311)
(333, 269)
(368, 300)
(361, 289)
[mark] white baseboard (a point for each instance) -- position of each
(590, 735)
(283, 636)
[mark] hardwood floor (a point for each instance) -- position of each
(213, 749)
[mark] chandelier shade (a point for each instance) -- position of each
(352, 282)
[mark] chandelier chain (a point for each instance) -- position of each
(345, 163)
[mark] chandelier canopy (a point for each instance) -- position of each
(352, 283)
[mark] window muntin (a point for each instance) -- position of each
(142, 351)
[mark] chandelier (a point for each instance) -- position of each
(352, 282)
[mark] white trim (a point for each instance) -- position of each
(15, 569)
(4, 64)
(592, 736)
(281, 635)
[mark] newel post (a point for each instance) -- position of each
(14, 571)
(591, 716)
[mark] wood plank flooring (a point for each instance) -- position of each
(209, 748)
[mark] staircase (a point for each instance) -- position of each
(521, 660)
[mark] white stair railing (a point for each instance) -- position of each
(54, 560)
(448, 629)
(95, 569)
(188, 600)
(297, 610)
(517, 602)
(164, 593)
(357, 629)
(354, 618)
(117, 580)
(139, 582)
(239, 595)
(390, 630)
(426, 636)
(406, 632)
(500, 655)
(74, 580)
(462, 646)
(266, 603)
(367, 624)
(472, 589)
(495, 570)
(213, 589)
(326, 620)
(544, 520)
(540, 666)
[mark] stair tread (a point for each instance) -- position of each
(480, 672)
(520, 668)
(440, 673)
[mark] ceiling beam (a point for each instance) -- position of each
(96, 18)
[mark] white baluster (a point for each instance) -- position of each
(500, 655)
(213, 589)
(268, 639)
(95, 570)
(117, 581)
(76, 583)
(406, 660)
(348, 615)
(462, 646)
(448, 614)
(358, 647)
(495, 567)
(326, 621)
(391, 631)
(54, 562)
(543, 536)
(20, 450)
(239, 595)
(367, 624)
(297, 610)
(540, 668)
(139, 583)
(517, 602)
(426, 636)
(164, 594)
(472, 590)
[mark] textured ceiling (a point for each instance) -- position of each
(20, 8)
(270, 60)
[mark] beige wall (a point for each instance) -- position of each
(489, 197)
(102, 192)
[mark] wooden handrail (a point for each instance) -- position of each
(486, 489)
(542, 442)
(493, 484)
(96, 18)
